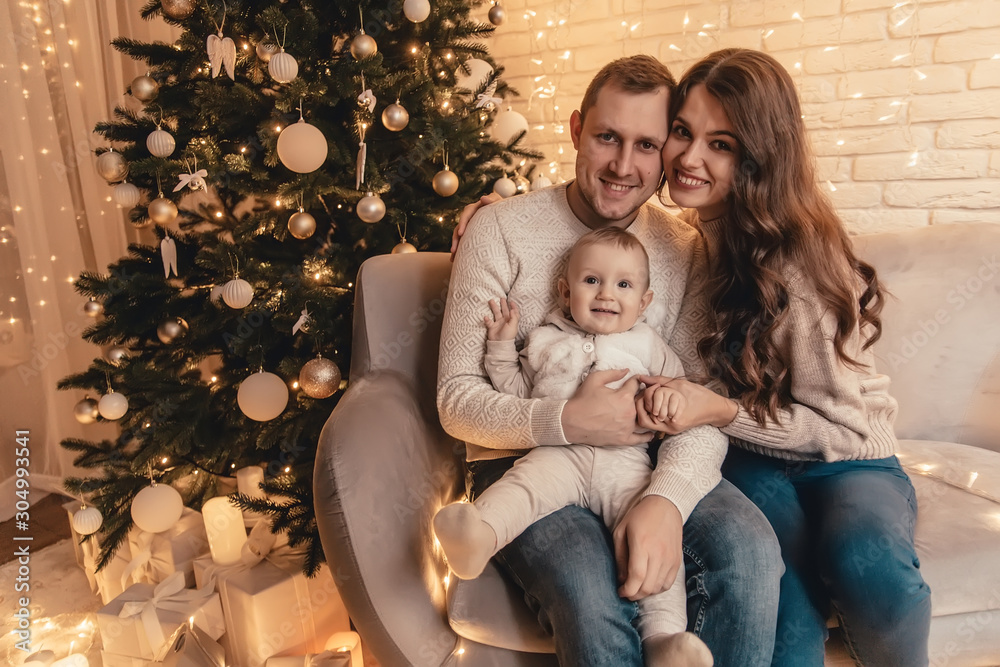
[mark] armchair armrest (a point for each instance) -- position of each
(383, 467)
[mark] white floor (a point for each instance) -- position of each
(62, 607)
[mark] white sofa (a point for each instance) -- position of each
(384, 465)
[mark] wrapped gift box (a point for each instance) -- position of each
(139, 622)
(155, 556)
(190, 647)
(111, 581)
(324, 659)
(271, 608)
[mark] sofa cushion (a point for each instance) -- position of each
(957, 536)
(958, 523)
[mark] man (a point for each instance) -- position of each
(515, 248)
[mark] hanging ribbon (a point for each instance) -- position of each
(301, 322)
(171, 595)
(362, 156)
(367, 99)
(168, 252)
(194, 180)
(486, 98)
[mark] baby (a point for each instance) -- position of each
(604, 293)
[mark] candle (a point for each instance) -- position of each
(225, 530)
(248, 481)
(347, 641)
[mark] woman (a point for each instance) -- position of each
(794, 314)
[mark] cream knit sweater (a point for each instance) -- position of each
(517, 248)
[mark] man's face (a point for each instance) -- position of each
(618, 162)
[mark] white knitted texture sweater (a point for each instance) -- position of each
(517, 248)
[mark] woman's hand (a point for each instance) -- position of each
(467, 213)
(702, 406)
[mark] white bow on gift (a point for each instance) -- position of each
(194, 180)
(486, 98)
(221, 51)
(169, 594)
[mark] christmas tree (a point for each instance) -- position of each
(279, 144)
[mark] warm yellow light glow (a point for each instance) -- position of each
(164, 460)
(973, 476)
(277, 128)
(288, 469)
(214, 379)
(316, 275)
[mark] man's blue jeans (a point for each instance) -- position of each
(846, 534)
(565, 564)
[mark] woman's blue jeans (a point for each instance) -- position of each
(846, 535)
(565, 565)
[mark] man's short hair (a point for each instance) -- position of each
(615, 237)
(632, 74)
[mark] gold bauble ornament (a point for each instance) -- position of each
(144, 88)
(521, 183)
(112, 166)
(363, 46)
(497, 15)
(265, 50)
(170, 330)
(403, 248)
(395, 117)
(445, 182)
(301, 225)
(177, 9)
(371, 208)
(86, 411)
(93, 307)
(116, 354)
(319, 378)
(162, 211)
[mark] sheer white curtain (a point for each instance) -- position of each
(58, 77)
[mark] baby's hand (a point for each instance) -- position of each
(667, 404)
(502, 324)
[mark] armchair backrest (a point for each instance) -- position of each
(397, 317)
(941, 329)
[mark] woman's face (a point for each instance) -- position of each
(701, 154)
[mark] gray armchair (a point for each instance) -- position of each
(384, 465)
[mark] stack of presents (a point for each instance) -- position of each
(191, 597)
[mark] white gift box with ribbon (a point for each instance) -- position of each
(270, 607)
(139, 622)
(111, 581)
(155, 556)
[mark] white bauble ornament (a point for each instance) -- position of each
(126, 195)
(112, 166)
(507, 125)
(86, 411)
(92, 307)
(478, 73)
(301, 225)
(282, 67)
(160, 143)
(302, 147)
(416, 10)
(112, 406)
(177, 9)
(171, 330)
(87, 520)
(237, 293)
(505, 187)
(497, 15)
(539, 182)
(162, 211)
(319, 378)
(262, 396)
(403, 248)
(157, 508)
(395, 117)
(144, 88)
(215, 296)
(363, 46)
(266, 51)
(445, 182)
(371, 208)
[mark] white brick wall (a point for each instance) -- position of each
(902, 98)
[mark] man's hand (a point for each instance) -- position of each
(502, 323)
(648, 548)
(467, 213)
(701, 406)
(599, 416)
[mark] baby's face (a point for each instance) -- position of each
(605, 288)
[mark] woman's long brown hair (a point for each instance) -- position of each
(777, 218)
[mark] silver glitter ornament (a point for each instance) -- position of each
(177, 9)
